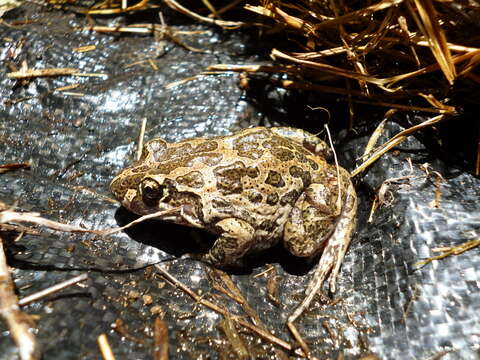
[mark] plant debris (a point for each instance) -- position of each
(160, 340)
(26, 73)
(52, 289)
(265, 334)
(449, 251)
(105, 348)
(12, 167)
(348, 49)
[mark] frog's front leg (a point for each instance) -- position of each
(236, 238)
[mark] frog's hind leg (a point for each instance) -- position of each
(311, 222)
(335, 248)
(319, 221)
(236, 238)
(332, 256)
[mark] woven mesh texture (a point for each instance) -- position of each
(77, 141)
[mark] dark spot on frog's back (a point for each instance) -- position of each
(272, 199)
(295, 171)
(267, 225)
(278, 142)
(275, 179)
(301, 157)
(178, 152)
(298, 172)
(193, 179)
(140, 169)
(283, 154)
(229, 178)
(290, 197)
(221, 204)
(252, 172)
(166, 167)
(255, 196)
(313, 164)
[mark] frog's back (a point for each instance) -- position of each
(258, 180)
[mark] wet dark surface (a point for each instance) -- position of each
(77, 141)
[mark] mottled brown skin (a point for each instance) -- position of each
(253, 188)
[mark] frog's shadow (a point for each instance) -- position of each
(177, 240)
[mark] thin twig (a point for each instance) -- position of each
(140, 138)
(454, 250)
(394, 141)
(138, 6)
(235, 339)
(11, 167)
(229, 288)
(52, 289)
(222, 23)
(7, 216)
(30, 73)
(105, 348)
(160, 340)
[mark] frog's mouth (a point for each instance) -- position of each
(183, 214)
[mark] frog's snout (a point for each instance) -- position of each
(119, 188)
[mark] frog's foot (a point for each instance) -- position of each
(327, 269)
(236, 238)
(332, 257)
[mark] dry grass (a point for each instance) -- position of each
(407, 55)
(402, 55)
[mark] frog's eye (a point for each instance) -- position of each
(152, 190)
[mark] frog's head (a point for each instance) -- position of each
(157, 182)
(132, 185)
(138, 191)
(147, 193)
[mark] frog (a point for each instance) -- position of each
(253, 189)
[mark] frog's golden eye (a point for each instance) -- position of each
(151, 190)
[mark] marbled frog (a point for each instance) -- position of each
(253, 189)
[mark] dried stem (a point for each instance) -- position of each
(105, 348)
(394, 141)
(160, 340)
(222, 23)
(454, 250)
(52, 289)
(19, 323)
